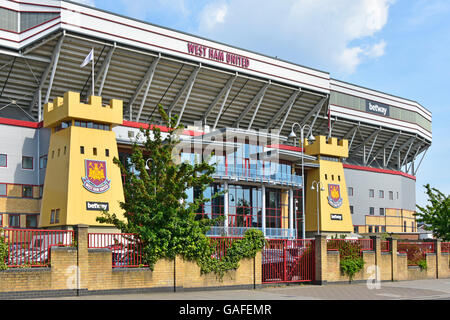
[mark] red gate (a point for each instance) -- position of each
(288, 261)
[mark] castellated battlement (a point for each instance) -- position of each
(70, 107)
(328, 147)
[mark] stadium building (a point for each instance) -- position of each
(60, 128)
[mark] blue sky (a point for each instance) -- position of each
(401, 47)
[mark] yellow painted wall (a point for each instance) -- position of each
(329, 172)
(63, 188)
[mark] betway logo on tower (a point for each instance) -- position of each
(378, 108)
(218, 55)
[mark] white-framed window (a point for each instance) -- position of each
(3, 189)
(3, 160)
(391, 195)
(381, 194)
(350, 191)
(371, 193)
(43, 162)
(371, 211)
(27, 163)
(381, 211)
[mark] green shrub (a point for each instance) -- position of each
(3, 251)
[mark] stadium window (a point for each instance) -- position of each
(107, 152)
(31, 221)
(57, 216)
(397, 194)
(326, 176)
(1, 220)
(383, 229)
(59, 152)
(27, 163)
(65, 150)
(351, 209)
(371, 193)
(370, 229)
(43, 162)
(391, 195)
(3, 190)
(52, 217)
(81, 149)
(355, 229)
(3, 160)
(371, 211)
(339, 178)
(381, 211)
(381, 194)
(94, 151)
(350, 191)
(332, 177)
(14, 221)
(53, 154)
(27, 191)
(41, 191)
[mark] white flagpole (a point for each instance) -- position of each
(93, 91)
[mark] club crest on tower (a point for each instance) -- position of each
(96, 179)
(334, 195)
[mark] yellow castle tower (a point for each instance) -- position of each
(334, 209)
(81, 179)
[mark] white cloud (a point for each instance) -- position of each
(213, 14)
(318, 33)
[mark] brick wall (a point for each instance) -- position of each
(89, 271)
(392, 266)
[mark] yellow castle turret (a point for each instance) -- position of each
(81, 179)
(334, 208)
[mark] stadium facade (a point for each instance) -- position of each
(368, 145)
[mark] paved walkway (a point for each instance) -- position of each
(420, 289)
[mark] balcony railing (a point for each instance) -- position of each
(271, 233)
(256, 175)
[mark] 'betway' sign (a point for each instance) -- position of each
(218, 55)
(97, 206)
(378, 108)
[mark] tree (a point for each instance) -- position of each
(155, 206)
(436, 215)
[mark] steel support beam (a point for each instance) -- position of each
(103, 71)
(255, 112)
(188, 94)
(366, 159)
(260, 94)
(186, 85)
(382, 149)
(149, 82)
(225, 91)
(287, 105)
(423, 156)
(321, 103)
(148, 74)
(55, 57)
(362, 145)
(314, 110)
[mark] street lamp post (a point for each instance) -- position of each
(317, 184)
(311, 138)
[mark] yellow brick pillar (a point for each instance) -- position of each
(394, 259)
(81, 237)
(321, 259)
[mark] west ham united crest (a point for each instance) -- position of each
(334, 195)
(96, 179)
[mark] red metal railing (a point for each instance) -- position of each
(32, 247)
(221, 245)
(415, 250)
(288, 261)
(349, 246)
(445, 247)
(125, 247)
(385, 246)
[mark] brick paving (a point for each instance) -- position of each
(420, 289)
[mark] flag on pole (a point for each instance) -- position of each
(89, 58)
